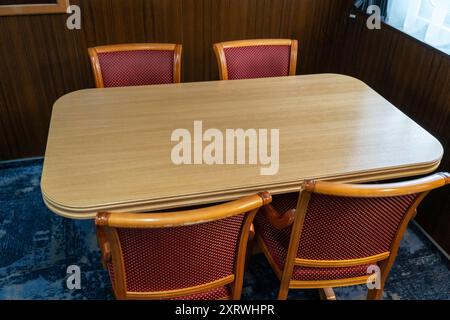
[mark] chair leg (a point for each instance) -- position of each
(375, 294)
(284, 289)
(385, 267)
(250, 246)
(283, 294)
(248, 255)
(327, 294)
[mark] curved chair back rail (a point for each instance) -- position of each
(191, 254)
(259, 58)
(136, 64)
(379, 190)
(337, 231)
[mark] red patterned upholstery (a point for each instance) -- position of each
(336, 228)
(135, 68)
(313, 274)
(214, 294)
(180, 257)
(257, 61)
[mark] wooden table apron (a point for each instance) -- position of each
(110, 149)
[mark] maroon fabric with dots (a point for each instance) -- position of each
(336, 228)
(214, 294)
(180, 257)
(136, 68)
(314, 274)
(257, 61)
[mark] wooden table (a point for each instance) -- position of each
(109, 149)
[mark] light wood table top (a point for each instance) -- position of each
(110, 149)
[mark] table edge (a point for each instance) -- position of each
(227, 195)
(195, 83)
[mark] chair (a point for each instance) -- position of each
(245, 59)
(136, 64)
(335, 235)
(194, 254)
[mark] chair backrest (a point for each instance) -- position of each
(343, 225)
(178, 254)
(136, 64)
(261, 58)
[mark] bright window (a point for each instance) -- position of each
(426, 20)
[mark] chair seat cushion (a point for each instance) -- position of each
(213, 294)
(277, 242)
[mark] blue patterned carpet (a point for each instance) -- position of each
(37, 246)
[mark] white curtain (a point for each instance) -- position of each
(427, 20)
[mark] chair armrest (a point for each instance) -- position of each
(251, 233)
(278, 220)
(105, 247)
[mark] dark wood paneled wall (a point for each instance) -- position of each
(415, 78)
(41, 60)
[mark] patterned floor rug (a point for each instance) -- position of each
(37, 246)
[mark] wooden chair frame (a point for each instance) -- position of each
(95, 63)
(296, 219)
(222, 61)
(109, 243)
